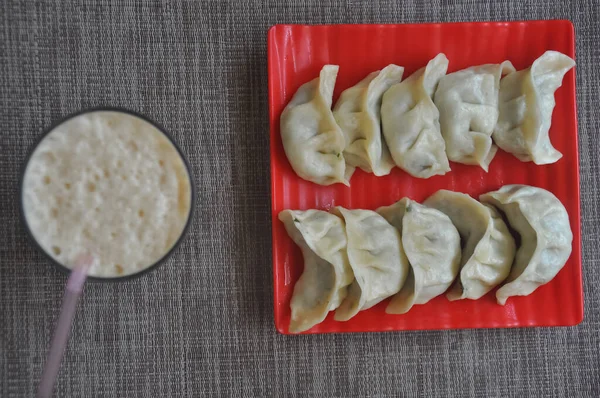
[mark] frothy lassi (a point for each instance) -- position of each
(109, 183)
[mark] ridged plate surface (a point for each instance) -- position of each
(297, 53)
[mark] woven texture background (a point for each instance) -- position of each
(203, 323)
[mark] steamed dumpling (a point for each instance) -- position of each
(312, 140)
(327, 273)
(546, 238)
(432, 246)
(377, 260)
(358, 113)
(488, 249)
(526, 104)
(411, 122)
(468, 104)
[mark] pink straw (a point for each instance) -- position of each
(63, 328)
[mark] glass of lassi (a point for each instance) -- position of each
(110, 183)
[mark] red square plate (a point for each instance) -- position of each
(297, 53)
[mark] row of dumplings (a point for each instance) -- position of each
(420, 123)
(354, 259)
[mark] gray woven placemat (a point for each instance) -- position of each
(203, 324)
